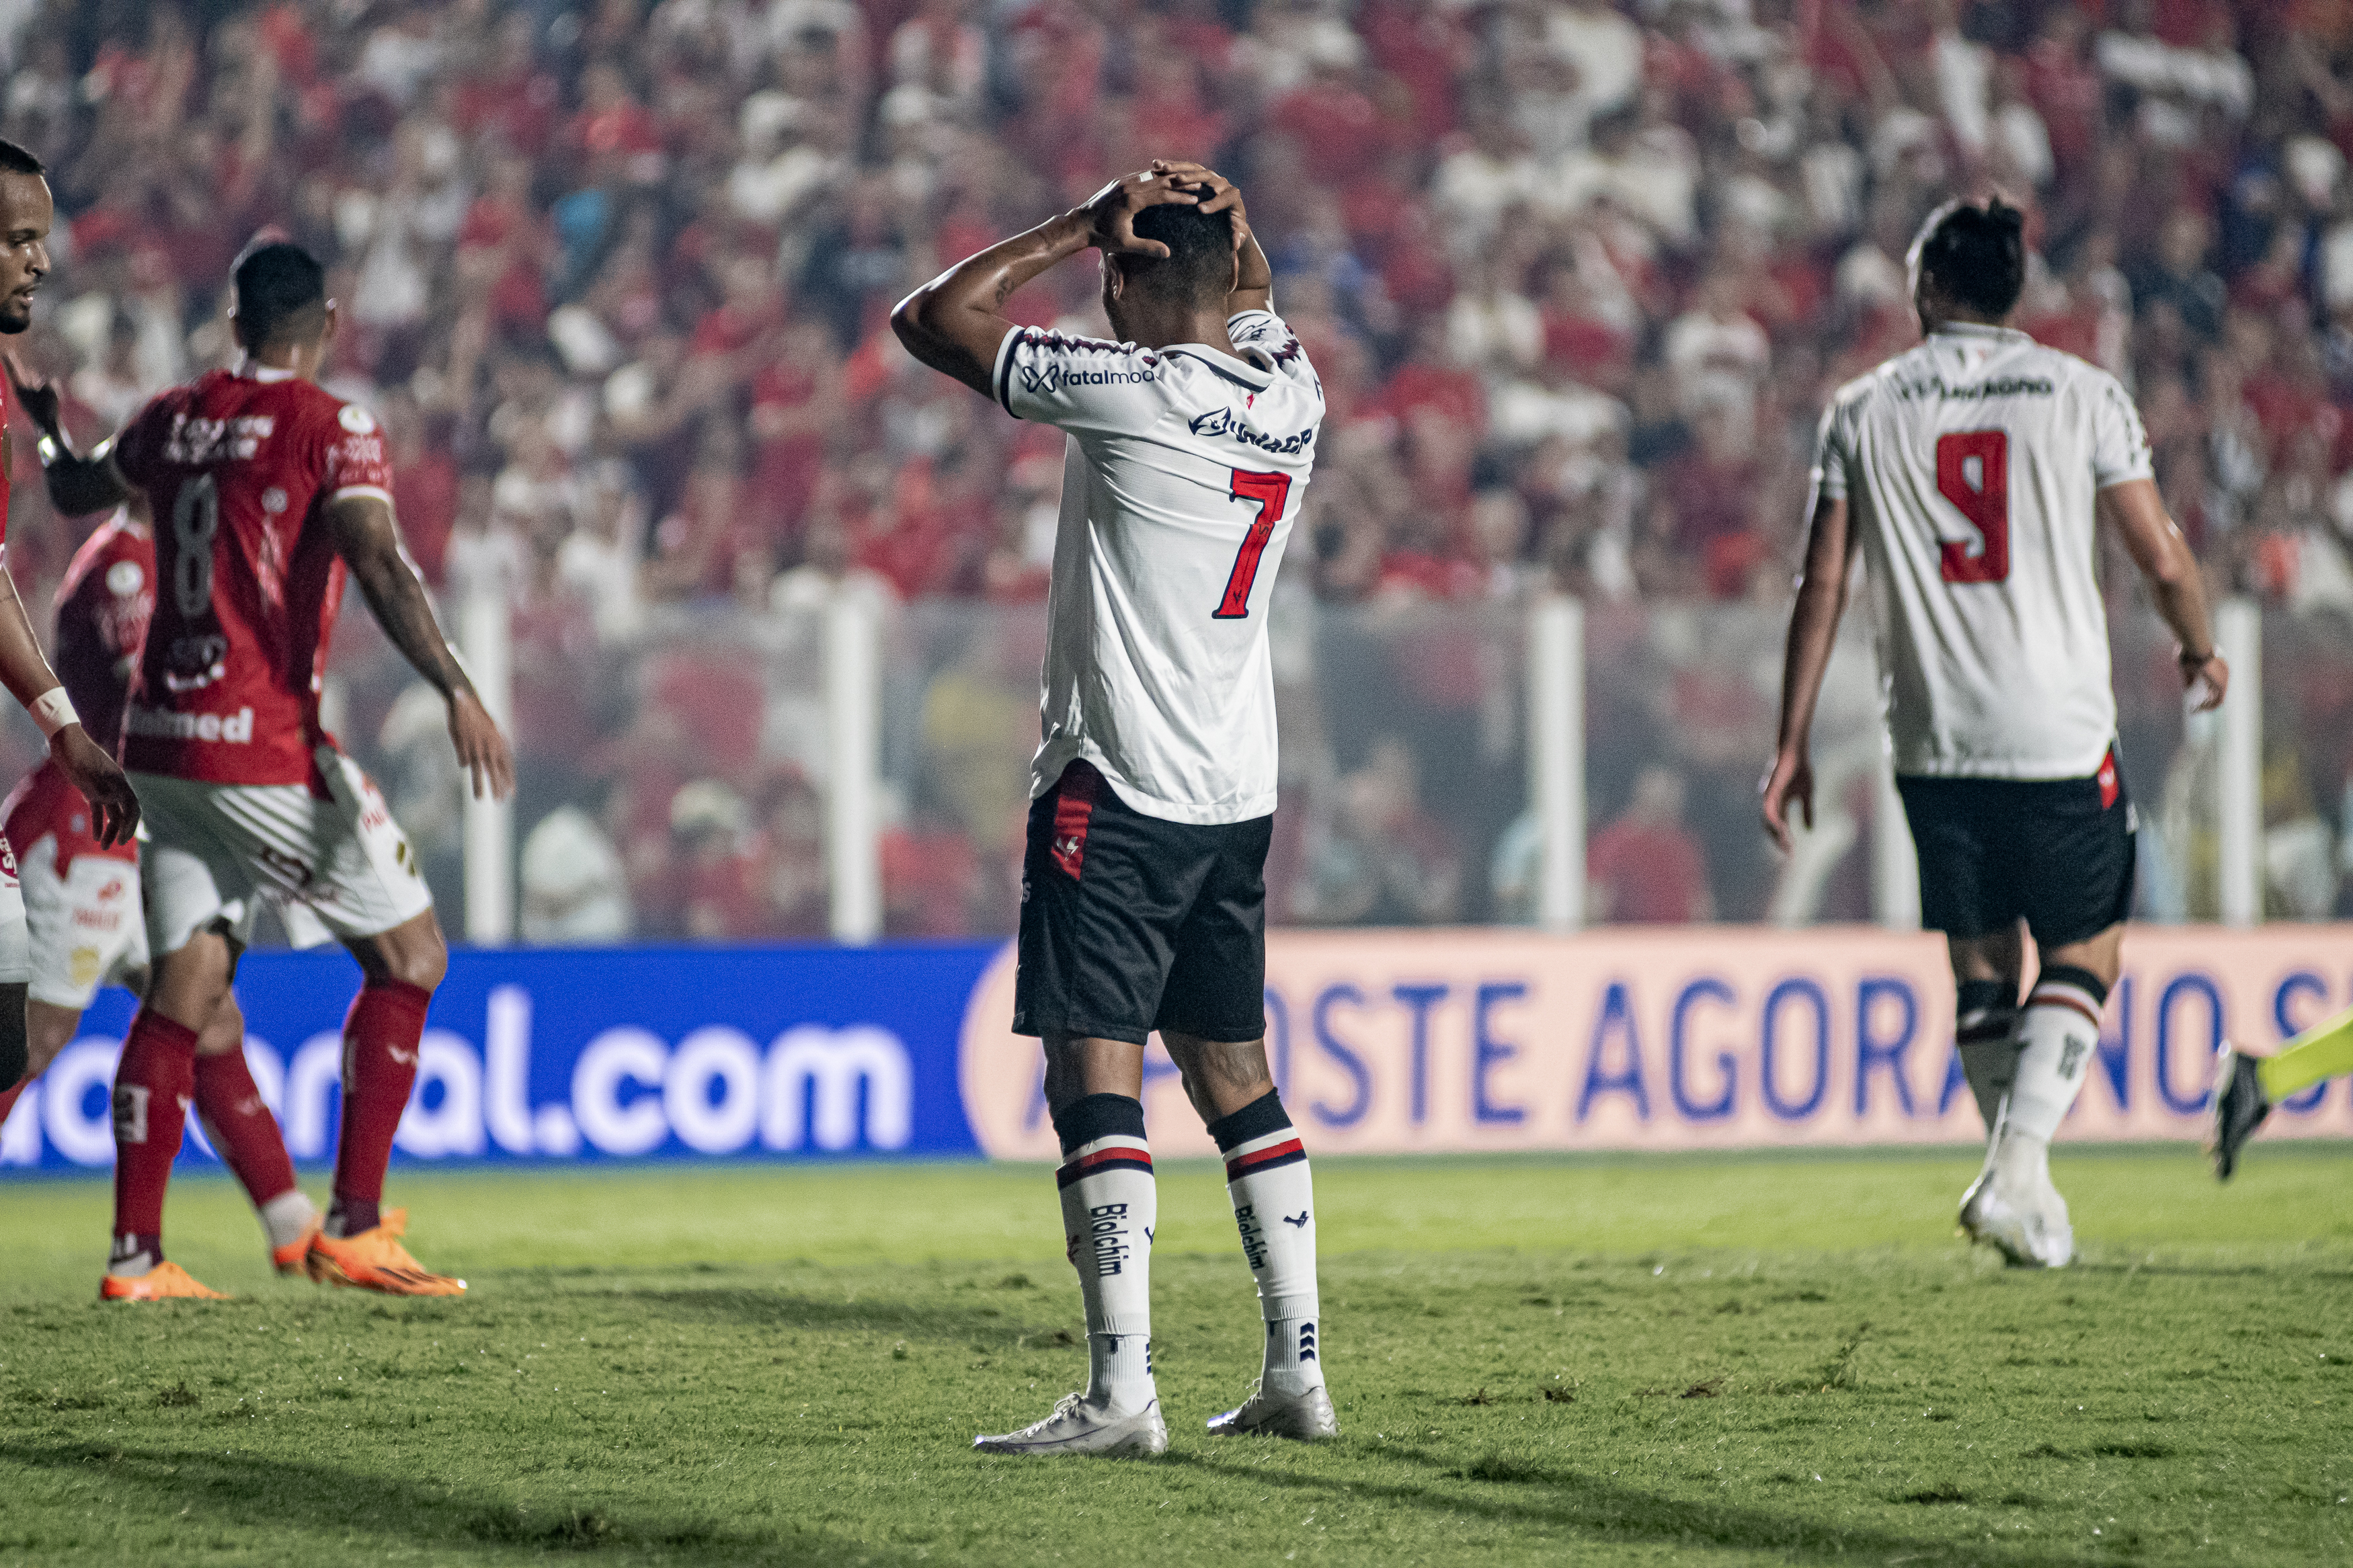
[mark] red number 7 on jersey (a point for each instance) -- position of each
(1973, 473)
(1269, 490)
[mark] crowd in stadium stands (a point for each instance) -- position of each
(1577, 276)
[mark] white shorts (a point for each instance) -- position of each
(84, 927)
(215, 851)
(15, 950)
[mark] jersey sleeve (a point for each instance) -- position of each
(135, 444)
(1265, 337)
(355, 461)
(1830, 455)
(2119, 443)
(1077, 383)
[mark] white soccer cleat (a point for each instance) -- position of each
(2013, 1207)
(1305, 1417)
(1079, 1427)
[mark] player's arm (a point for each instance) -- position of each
(113, 808)
(1253, 274)
(78, 486)
(369, 544)
(954, 323)
(2137, 511)
(1813, 628)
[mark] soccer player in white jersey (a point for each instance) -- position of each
(1142, 894)
(1969, 472)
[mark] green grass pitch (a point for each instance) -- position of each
(1782, 1359)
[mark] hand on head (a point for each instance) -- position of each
(1111, 212)
(1218, 193)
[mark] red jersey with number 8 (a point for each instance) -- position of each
(1971, 468)
(239, 468)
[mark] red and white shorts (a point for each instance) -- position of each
(83, 924)
(215, 851)
(16, 949)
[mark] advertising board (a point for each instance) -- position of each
(1382, 1042)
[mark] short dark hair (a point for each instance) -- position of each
(279, 284)
(17, 159)
(1200, 265)
(1976, 253)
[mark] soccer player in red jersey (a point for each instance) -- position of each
(268, 491)
(25, 214)
(82, 896)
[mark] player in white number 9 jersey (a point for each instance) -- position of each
(1152, 794)
(1969, 474)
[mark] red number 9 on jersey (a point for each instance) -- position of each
(1973, 473)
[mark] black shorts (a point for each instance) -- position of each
(2057, 853)
(1131, 924)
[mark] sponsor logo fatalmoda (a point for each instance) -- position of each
(1046, 377)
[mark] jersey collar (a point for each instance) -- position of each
(1224, 363)
(264, 374)
(1979, 330)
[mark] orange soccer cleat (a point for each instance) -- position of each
(375, 1260)
(289, 1258)
(164, 1282)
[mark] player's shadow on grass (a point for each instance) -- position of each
(999, 1317)
(1592, 1506)
(319, 1500)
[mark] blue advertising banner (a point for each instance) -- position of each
(626, 1052)
(1382, 1042)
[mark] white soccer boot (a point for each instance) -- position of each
(2013, 1207)
(1079, 1427)
(1305, 1417)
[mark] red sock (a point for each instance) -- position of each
(243, 1131)
(153, 1085)
(380, 1036)
(8, 1098)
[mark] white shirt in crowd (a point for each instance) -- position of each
(1970, 465)
(1186, 468)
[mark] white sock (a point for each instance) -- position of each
(1987, 1037)
(2058, 1033)
(1110, 1209)
(288, 1217)
(1274, 1209)
(125, 1263)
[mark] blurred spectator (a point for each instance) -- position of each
(573, 890)
(1645, 868)
(1577, 274)
(1385, 859)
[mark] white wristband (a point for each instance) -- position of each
(53, 710)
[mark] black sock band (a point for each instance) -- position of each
(1260, 1117)
(1097, 1116)
(2083, 980)
(1986, 1010)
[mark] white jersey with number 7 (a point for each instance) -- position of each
(1970, 465)
(1185, 470)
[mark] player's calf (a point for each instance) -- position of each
(153, 1082)
(1110, 1210)
(2013, 1205)
(1986, 1033)
(1274, 1209)
(246, 1136)
(381, 1036)
(2058, 1033)
(44, 1037)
